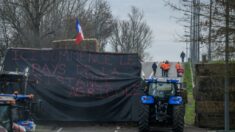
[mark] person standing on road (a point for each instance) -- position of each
(182, 55)
(166, 68)
(154, 67)
(179, 70)
(177, 66)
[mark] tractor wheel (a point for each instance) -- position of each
(144, 118)
(178, 118)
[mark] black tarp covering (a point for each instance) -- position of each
(81, 86)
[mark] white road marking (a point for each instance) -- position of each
(59, 130)
(118, 127)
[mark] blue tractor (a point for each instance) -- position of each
(163, 104)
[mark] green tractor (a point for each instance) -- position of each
(163, 104)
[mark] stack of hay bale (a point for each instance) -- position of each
(85, 45)
(209, 95)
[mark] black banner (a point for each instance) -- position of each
(81, 86)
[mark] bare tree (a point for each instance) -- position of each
(35, 23)
(60, 22)
(100, 22)
(133, 35)
(5, 38)
(212, 30)
(96, 21)
(25, 17)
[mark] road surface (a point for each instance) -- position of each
(107, 128)
(147, 70)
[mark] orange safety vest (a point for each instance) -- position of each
(166, 66)
(177, 66)
(163, 66)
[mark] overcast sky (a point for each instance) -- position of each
(159, 18)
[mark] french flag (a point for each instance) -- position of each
(79, 36)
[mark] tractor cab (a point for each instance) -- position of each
(11, 81)
(161, 90)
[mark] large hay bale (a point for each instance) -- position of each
(213, 69)
(211, 88)
(85, 45)
(213, 106)
(213, 96)
(214, 120)
(209, 95)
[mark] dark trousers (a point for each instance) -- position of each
(165, 73)
(162, 72)
(154, 72)
(182, 58)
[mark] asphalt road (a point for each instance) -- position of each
(147, 70)
(108, 128)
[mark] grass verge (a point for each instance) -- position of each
(190, 106)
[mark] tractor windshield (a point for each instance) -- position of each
(5, 117)
(10, 87)
(161, 90)
(11, 83)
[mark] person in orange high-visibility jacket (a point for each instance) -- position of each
(166, 68)
(177, 66)
(179, 70)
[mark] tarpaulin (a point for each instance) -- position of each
(80, 86)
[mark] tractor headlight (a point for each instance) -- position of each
(147, 99)
(175, 100)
